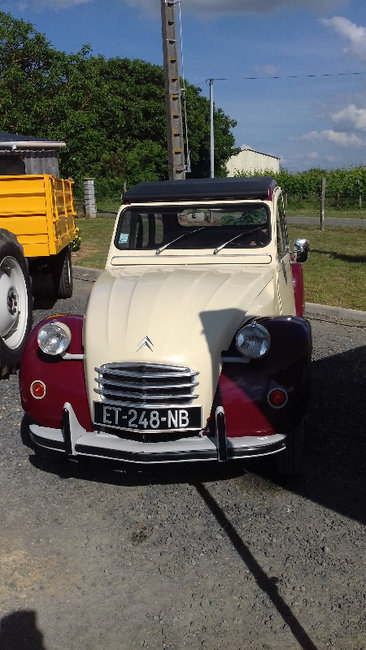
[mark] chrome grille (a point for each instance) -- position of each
(148, 385)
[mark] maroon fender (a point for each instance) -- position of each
(298, 284)
(244, 388)
(243, 413)
(64, 380)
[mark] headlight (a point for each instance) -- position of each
(253, 341)
(54, 338)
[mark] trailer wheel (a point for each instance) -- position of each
(15, 302)
(62, 273)
(288, 463)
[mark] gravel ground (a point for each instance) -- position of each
(192, 557)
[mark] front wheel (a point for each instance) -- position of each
(288, 463)
(15, 302)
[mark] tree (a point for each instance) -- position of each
(110, 112)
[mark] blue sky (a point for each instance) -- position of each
(317, 121)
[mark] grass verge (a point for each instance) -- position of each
(95, 239)
(335, 273)
(350, 213)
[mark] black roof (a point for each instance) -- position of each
(16, 141)
(253, 187)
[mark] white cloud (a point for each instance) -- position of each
(224, 7)
(266, 70)
(350, 118)
(202, 7)
(54, 4)
(355, 34)
(312, 155)
(312, 136)
(336, 137)
(257, 6)
(342, 139)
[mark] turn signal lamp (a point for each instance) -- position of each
(38, 389)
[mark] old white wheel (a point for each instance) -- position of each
(15, 302)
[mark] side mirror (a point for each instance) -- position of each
(301, 250)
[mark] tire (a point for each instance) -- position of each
(15, 302)
(62, 273)
(288, 463)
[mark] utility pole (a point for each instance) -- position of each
(212, 136)
(212, 131)
(176, 160)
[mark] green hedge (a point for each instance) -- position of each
(343, 186)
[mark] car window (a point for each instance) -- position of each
(282, 235)
(139, 230)
(188, 227)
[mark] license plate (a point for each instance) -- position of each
(140, 419)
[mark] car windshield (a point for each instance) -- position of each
(198, 227)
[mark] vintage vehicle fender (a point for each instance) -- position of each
(63, 379)
(298, 285)
(244, 388)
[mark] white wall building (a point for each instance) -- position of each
(252, 161)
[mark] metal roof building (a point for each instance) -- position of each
(22, 154)
(250, 161)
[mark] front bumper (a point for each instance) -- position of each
(75, 441)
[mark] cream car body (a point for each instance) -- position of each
(188, 305)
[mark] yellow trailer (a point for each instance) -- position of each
(39, 210)
(36, 230)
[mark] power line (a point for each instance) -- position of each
(307, 76)
(289, 76)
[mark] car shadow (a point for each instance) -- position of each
(334, 465)
(334, 468)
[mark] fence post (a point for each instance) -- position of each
(89, 198)
(322, 204)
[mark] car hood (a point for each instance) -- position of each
(189, 315)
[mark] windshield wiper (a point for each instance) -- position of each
(242, 234)
(185, 234)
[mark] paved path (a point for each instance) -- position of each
(330, 221)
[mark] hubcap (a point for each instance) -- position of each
(13, 303)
